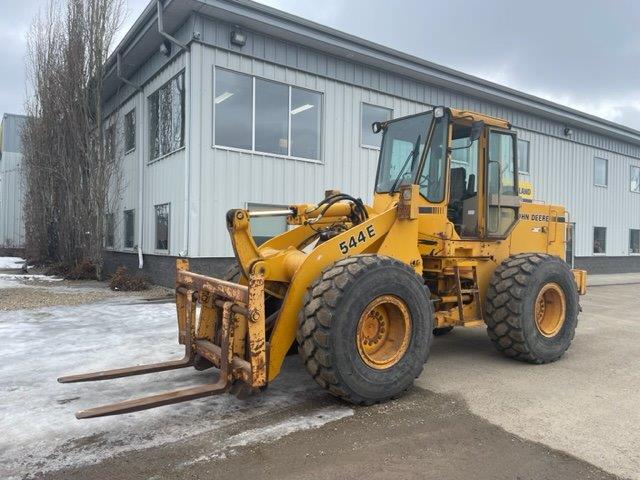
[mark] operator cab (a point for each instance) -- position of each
(443, 151)
(463, 190)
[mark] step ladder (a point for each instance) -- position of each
(474, 291)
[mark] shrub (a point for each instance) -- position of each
(57, 269)
(123, 281)
(85, 270)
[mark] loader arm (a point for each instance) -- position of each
(393, 233)
(373, 234)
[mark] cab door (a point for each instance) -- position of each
(501, 183)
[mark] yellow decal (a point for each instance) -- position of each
(525, 190)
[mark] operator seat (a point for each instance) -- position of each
(457, 190)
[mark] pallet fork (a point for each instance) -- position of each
(209, 311)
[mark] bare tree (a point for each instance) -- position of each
(69, 165)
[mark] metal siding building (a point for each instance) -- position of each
(201, 180)
(11, 184)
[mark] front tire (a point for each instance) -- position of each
(364, 331)
(531, 307)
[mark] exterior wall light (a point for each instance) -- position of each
(238, 38)
(165, 48)
(568, 132)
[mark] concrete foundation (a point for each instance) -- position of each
(160, 269)
(597, 264)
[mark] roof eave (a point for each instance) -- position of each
(268, 20)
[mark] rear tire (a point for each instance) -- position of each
(531, 308)
(364, 331)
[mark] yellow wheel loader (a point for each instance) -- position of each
(361, 289)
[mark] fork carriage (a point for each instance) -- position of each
(219, 321)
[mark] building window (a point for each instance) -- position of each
(371, 114)
(635, 179)
(110, 143)
(634, 241)
(523, 156)
(600, 174)
(265, 116)
(130, 131)
(233, 106)
(265, 228)
(599, 240)
(129, 228)
(109, 230)
(162, 226)
(166, 118)
(272, 117)
(306, 110)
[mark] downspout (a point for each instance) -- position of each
(139, 108)
(187, 126)
(140, 126)
(187, 155)
(120, 76)
(161, 31)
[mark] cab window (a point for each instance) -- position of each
(433, 174)
(462, 209)
(503, 200)
(402, 147)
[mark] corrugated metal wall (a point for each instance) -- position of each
(229, 179)
(163, 179)
(562, 172)
(274, 50)
(11, 184)
(11, 191)
(561, 167)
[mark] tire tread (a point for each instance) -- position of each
(316, 316)
(504, 305)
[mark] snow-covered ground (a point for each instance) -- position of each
(14, 280)
(9, 263)
(11, 280)
(39, 430)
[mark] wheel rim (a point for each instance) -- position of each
(383, 332)
(550, 309)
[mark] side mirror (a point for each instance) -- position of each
(377, 127)
(476, 130)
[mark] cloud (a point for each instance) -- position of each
(14, 25)
(583, 54)
(629, 115)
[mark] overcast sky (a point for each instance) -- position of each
(585, 54)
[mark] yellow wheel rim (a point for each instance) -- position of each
(550, 309)
(383, 332)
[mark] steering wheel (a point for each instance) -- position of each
(404, 178)
(431, 184)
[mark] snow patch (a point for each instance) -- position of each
(270, 433)
(39, 430)
(294, 424)
(11, 263)
(16, 280)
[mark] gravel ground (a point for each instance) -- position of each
(29, 293)
(473, 413)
